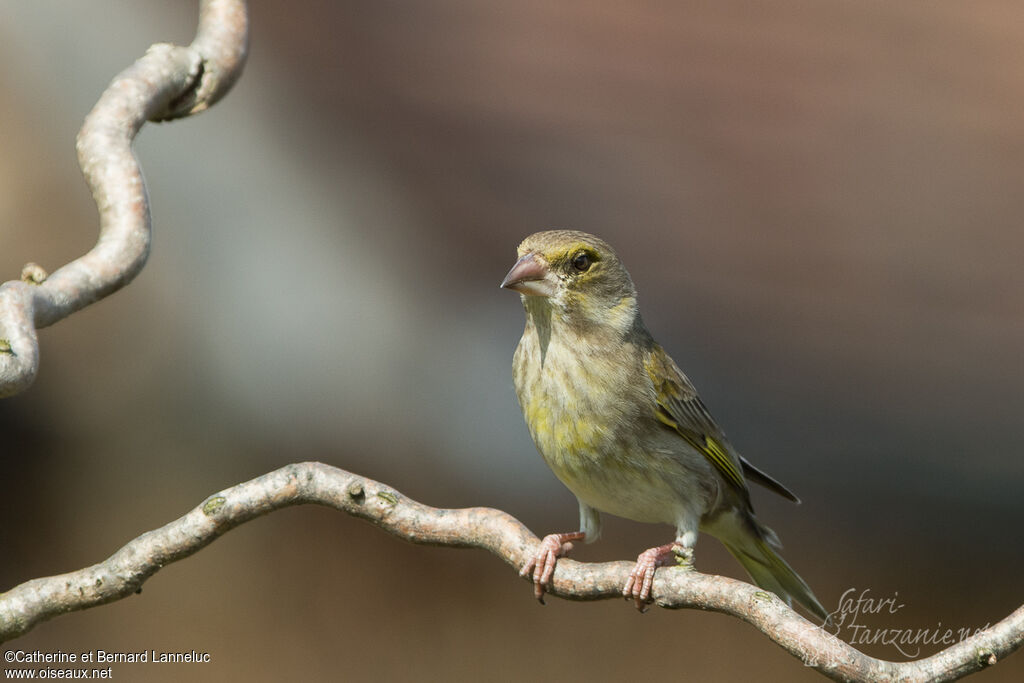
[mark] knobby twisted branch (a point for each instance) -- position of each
(123, 573)
(168, 82)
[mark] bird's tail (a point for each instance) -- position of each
(751, 544)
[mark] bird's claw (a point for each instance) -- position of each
(641, 578)
(542, 565)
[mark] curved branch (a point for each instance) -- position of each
(123, 573)
(168, 82)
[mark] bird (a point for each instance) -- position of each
(623, 428)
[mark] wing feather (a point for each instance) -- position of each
(679, 408)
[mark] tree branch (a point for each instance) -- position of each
(168, 82)
(123, 573)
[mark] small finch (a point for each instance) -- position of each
(622, 427)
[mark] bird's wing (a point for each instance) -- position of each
(766, 480)
(680, 408)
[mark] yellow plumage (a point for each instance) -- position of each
(620, 425)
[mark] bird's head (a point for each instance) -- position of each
(578, 275)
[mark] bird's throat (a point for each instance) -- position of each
(538, 314)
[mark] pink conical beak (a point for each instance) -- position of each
(529, 276)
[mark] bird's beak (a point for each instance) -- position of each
(530, 275)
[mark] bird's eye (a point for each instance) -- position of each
(581, 261)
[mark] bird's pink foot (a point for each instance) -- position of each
(641, 578)
(542, 565)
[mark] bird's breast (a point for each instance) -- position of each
(572, 400)
(590, 413)
(582, 408)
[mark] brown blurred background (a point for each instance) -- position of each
(820, 204)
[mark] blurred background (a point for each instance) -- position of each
(820, 204)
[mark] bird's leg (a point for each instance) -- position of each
(641, 578)
(542, 565)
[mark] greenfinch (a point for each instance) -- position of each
(622, 427)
